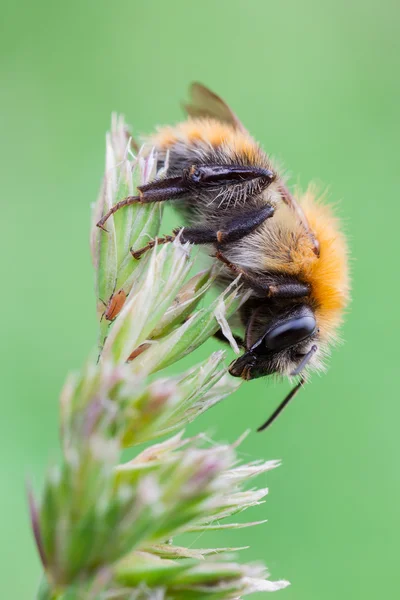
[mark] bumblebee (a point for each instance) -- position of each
(289, 251)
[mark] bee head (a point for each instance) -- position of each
(283, 343)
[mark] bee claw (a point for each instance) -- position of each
(100, 226)
(137, 255)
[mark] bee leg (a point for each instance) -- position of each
(220, 336)
(193, 235)
(237, 228)
(156, 191)
(233, 230)
(230, 231)
(289, 290)
(238, 271)
(125, 202)
(280, 290)
(165, 239)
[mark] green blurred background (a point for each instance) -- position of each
(318, 84)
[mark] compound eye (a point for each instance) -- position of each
(290, 332)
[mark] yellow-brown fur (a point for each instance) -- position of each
(207, 132)
(329, 274)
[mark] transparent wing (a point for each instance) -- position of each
(204, 103)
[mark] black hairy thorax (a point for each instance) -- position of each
(216, 201)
